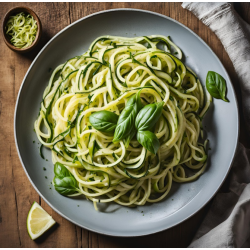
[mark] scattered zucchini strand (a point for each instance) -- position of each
(111, 71)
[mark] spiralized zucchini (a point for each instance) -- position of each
(22, 28)
(111, 71)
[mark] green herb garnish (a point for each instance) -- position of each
(216, 85)
(64, 182)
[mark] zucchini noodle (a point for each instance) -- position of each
(22, 29)
(103, 78)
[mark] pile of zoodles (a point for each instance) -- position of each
(123, 121)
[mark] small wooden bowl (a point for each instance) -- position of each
(6, 37)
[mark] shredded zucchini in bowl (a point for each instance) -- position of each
(22, 28)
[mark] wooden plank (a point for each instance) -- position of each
(16, 192)
(8, 197)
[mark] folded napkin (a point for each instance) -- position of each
(227, 224)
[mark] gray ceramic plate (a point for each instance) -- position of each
(221, 124)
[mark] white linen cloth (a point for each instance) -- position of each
(227, 223)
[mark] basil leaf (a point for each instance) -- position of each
(65, 186)
(104, 121)
(60, 171)
(148, 116)
(64, 182)
(216, 85)
(126, 121)
(148, 140)
(138, 100)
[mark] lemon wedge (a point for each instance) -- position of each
(38, 221)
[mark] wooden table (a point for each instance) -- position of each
(16, 192)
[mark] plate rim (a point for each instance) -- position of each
(27, 73)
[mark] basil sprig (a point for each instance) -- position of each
(126, 121)
(148, 140)
(148, 116)
(134, 119)
(216, 85)
(104, 121)
(64, 182)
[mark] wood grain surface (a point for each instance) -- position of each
(16, 192)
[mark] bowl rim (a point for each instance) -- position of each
(39, 28)
(17, 104)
